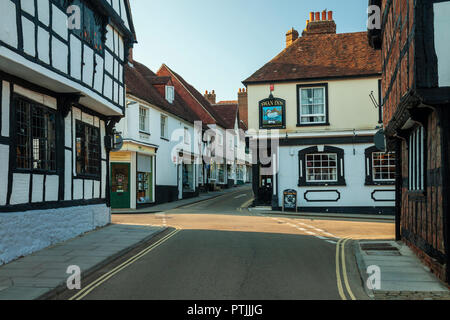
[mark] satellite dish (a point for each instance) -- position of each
(380, 140)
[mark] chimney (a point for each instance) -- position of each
(317, 26)
(243, 106)
(210, 96)
(130, 56)
(291, 36)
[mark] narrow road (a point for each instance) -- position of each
(221, 251)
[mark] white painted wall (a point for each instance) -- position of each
(23, 233)
(355, 194)
(442, 40)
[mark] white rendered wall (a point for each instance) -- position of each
(23, 233)
(355, 194)
(442, 41)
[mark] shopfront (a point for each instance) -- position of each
(133, 176)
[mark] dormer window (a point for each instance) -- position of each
(170, 93)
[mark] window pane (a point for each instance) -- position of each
(383, 166)
(23, 135)
(321, 168)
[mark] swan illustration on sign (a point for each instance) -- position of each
(273, 115)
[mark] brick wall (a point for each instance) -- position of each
(398, 54)
(422, 216)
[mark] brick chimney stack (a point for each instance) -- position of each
(243, 105)
(210, 96)
(291, 36)
(317, 26)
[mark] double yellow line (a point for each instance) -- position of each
(85, 291)
(341, 281)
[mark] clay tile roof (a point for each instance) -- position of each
(322, 56)
(158, 80)
(228, 112)
(200, 98)
(139, 85)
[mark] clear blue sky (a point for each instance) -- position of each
(216, 44)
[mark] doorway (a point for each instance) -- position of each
(120, 185)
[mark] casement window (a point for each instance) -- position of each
(164, 127)
(170, 93)
(312, 105)
(380, 167)
(416, 159)
(35, 136)
(88, 150)
(321, 167)
(144, 120)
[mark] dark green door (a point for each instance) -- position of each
(120, 185)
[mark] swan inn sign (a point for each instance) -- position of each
(272, 113)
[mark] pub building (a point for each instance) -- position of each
(310, 110)
(416, 94)
(62, 91)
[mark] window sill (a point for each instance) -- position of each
(165, 139)
(380, 183)
(324, 184)
(145, 132)
(326, 124)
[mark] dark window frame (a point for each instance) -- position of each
(327, 113)
(33, 105)
(82, 158)
(369, 169)
(302, 181)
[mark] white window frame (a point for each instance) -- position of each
(187, 138)
(308, 180)
(416, 160)
(170, 93)
(165, 132)
(146, 128)
(324, 114)
(391, 167)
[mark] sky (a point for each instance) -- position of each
(216, 44)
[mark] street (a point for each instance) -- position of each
(222, 251)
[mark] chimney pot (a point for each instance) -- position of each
(324, 15)
(330, 15)
(317, 16)
(311, 16)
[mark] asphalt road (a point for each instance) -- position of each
(221, 251)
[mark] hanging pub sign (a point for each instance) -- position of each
(272, 113)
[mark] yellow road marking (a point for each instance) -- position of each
(344, 271)
(84, 292)
(340, 258)
(338, 272)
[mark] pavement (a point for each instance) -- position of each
(180, 203)
(402, 276)
(267, 210)
(44, 272)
